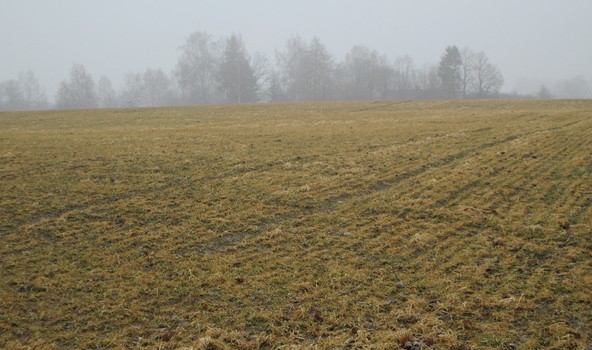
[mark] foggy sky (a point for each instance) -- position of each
(531, 41)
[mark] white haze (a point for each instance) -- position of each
(532, 42)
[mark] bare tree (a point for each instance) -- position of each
(196, 69)
(487, 78)
(364, 75)
(307, 70)
(292, 69)
(157, 88)
(464, 73)
(428, 82)
(262, 72)
(78, 91)
(11, 96)
(33, 96)
(132, 92)
(106, 95)
(149, 89)
(576, 87)
(404, 76)
(467, 67)
(22, 94)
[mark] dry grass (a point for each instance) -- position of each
(445, 225)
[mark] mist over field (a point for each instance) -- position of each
(541, 48)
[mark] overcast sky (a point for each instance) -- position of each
(531, 41)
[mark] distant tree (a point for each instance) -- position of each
(149, 89)
(132, 91)
(263, 72)
(487, 79)
(236, 76)
(11, 96)
(464, 74)
(320, 70)
(78, 91)
(576, 87)
(2, 97)
(157, 88)
(196, 69)
(307, 70)
(449, 72)
(292, 69)
(364, 75)
(428, 83)
(467, 67)
(404, 81)
(106, 95)
(275, 92)
(33, 96)
(22, 94)
(544, 93)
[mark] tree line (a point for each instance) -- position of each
(211, 71)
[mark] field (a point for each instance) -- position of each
(359, 225)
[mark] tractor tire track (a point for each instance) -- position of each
(330, 204)
(18, 224)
